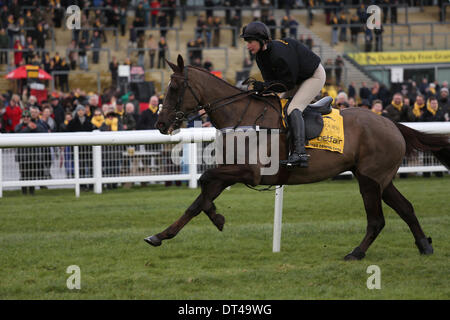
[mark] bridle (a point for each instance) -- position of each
(181, 116)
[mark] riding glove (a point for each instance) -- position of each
(259, 86)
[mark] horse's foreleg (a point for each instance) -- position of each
(212, 182)
(371, 193)
(194, 209)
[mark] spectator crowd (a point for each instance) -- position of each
(65, 110)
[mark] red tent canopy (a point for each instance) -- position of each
(28, 72)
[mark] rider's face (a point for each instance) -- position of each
(253, 46)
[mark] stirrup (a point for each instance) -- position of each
(296, 160)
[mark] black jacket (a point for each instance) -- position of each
(147, 121)
(427, 116)
(288, 62)
(75, 125)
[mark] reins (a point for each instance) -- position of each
(209, 108)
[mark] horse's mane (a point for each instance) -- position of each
(214, 76)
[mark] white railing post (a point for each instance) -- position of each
(192, 165)
(97, 168)
(76, 168)
(1, 173)
(277, 219)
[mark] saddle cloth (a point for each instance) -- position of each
(332, 136)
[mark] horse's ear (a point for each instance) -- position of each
(173, 66)
(180, 62)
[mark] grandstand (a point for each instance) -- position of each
(417, 28)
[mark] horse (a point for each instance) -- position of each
(373, 151)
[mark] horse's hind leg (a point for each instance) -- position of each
(393, 198)
(371, 194)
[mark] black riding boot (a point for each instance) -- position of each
(298, 156)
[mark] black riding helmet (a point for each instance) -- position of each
(256, 30)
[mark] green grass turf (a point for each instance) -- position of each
(41, 235)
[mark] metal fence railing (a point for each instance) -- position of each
(106, 158)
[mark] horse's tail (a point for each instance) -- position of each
(438, 144)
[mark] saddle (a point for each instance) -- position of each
(312, 116)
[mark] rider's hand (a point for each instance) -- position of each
(259, 86)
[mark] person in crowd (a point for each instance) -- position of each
(114, 70)
(351, 102)
(397, 111)
(368, 39)
(111, 155)
(81, 122)
(12, 114)
(149, 116)
(97, 119)
(152, 49)
(444, 102)
(29, 158)
(364, 91)
(343, 29)
(119, 108)
(419, 107)
(162, 47)
(4, 45)
(341, 101)
(365, 104)
(293, 28)
(123, 20)
(377, 107)
(68, 116)
(58, 112)
(47, 119)
(155, 5)
(217, 23)
(64, 77)
(73, 54)
(378, 31)
(272, 25)
(339, 67)
(171, 12)
(352, 90)
(355, 28)
(432, 112)
(129, 119)
(132, 99)
(163, 24)
(83, 47)
(141, 49)
(334, 30)
(96, 45)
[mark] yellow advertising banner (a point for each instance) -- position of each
(401, 57)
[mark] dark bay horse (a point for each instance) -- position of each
(373, 151)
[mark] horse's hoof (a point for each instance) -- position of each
(424, 246)
(219, 221)
(356, 254)
(153, 240)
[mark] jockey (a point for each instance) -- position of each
(289, 67)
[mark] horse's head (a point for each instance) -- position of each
(180, 101)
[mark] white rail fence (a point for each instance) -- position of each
(105, 158)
